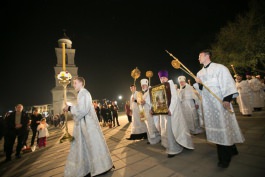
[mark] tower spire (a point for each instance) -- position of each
(65, 39)
(64, 35)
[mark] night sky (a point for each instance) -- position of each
(111, 38)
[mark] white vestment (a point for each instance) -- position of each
(198, 101)
(174, 131)
(221, 126)
(244, 98)
(89, 152)
(138, 126)
(188, 100)
(153, 134)
(257, 93)
(157, 122)
(263, 90)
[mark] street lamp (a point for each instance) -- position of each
(121, 104)
(64, 78)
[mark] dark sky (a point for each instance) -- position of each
(111, 38)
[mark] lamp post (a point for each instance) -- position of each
(120, 101)
(64, 78)
(120, 97)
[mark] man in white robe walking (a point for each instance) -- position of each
(257, 94)
(89, 154)
(138, 127)
(153, 134)
(220, 124)
(175, 134)
(189, 104)
(244, 97)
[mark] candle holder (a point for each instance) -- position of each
(135, 74)
(234, 70)
(149, 74)
(64, 78)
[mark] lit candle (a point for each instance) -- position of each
(233, 69)
(63, 54)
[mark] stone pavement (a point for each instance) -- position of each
(137, 158)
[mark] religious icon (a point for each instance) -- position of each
(160, 98)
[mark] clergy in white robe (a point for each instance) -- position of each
(189, 105)
(262, 89)
(198, 101)
(248, 79)
(89, 154)
(221, 125)
(244, 97)
(175, 134)
(153, 134)
(257, 94)
(138, 127)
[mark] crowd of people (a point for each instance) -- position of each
(205, 106)
(16, 126)
(107, 113)
(251, 93)
(162, 114)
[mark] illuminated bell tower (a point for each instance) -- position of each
(58, 90)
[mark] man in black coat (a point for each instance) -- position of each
(114, 109)
(106, 114)
(16, 127)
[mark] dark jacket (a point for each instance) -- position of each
(106, 114)
(97, 109)
(11, 126)
(114, 109)
(34, 120)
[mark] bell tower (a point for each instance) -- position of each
(58, 90)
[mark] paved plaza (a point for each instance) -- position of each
(139, 159)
